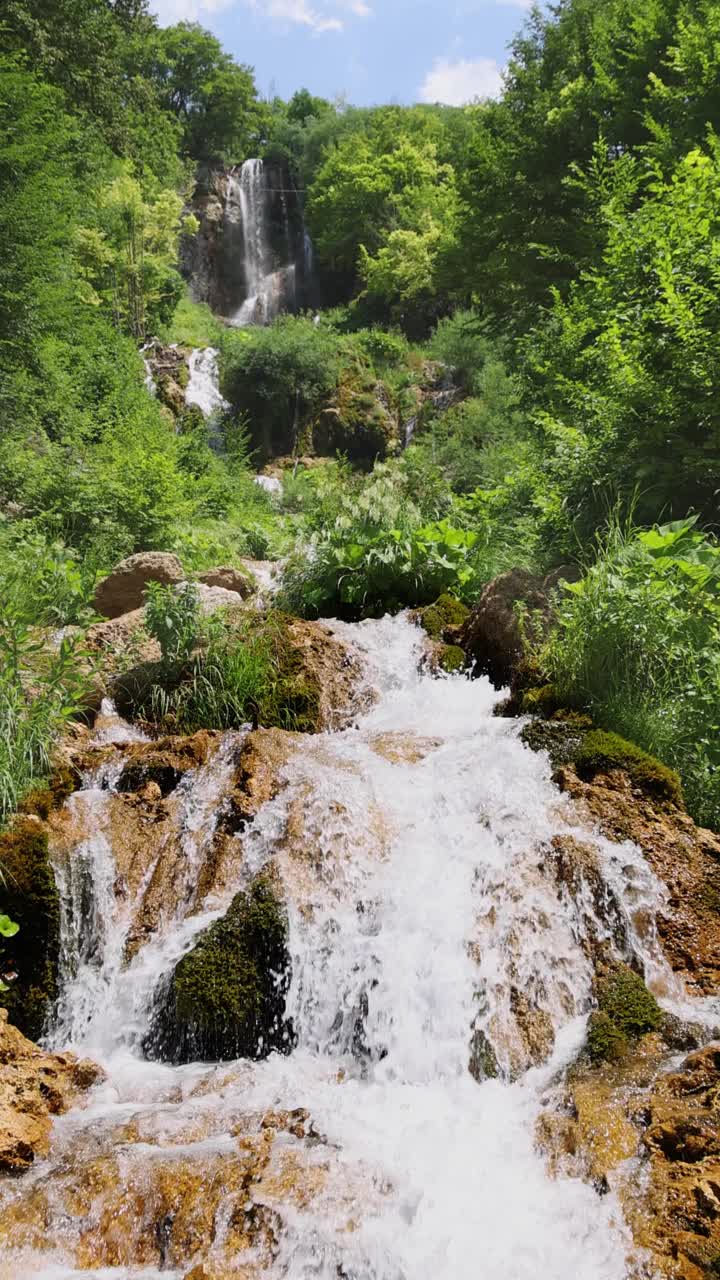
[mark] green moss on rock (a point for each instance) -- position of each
(626, 1011)
(451, 658)
(601, 752)
(29, 896)
(226, 997)
(560, 738)
(446, 612)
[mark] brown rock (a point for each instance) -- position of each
(124, 589)
(685, 857)
(34, 1086)
(492, 635)
(229, 578)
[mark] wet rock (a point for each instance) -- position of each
(443, 619)
(684, 856)
(667, 1122)
(34, 1086)
(230, 578)
(492, 635)
(226, 997)
(124, 589)
(30, 898)
(258, 776)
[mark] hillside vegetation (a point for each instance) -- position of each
(558, 250)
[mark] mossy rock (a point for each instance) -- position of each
(541, 700)
(483, 1064)
(139, 772)
(626, 1011)
(451, 658)
(29, 896)
(561, 739)
(601, 752)
(42, 800)
(226, 997)
(446, 612)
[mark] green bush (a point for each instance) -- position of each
(377, 552)
(172, 616)
(638, 644)
(246, 668)
(41, 688)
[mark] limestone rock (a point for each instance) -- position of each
(685, 857)
(34, 1086)
(229, 578)
(124, 589)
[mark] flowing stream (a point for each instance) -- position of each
(428, 929)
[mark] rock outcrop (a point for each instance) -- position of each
(651, 1133)
(492, 636)
(685, 857)
(124, 589)
(30, 898)
(229, 578)
(34, 1087)
(225, 999)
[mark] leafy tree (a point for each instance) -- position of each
(128, 260)
(214, 99)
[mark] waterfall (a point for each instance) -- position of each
(412, 851)
(270, 270)
(203, 388)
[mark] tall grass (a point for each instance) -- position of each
(638, 643)
(40, 690)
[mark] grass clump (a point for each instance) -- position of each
(222, 672)
(626, 1010)
(638, 645)
(226, 996)
(601, 751)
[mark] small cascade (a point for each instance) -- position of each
(274, 266)
(203, 388)
(431, 937)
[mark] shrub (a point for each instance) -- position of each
(172, 617)
(638, 644)
(247, 670)
(377, 554)
(41, 688)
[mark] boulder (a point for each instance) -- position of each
(124, 589)
(34, 1086)
(492, 635)
(226, 997)
(230, 578)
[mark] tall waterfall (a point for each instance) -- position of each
(263, 213)
(413, 852)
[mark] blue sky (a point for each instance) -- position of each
(369, 50)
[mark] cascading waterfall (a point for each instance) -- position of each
(413, 852)
(271, 285)
(203, 388)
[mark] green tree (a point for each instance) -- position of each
(128, 261)
(214, 99)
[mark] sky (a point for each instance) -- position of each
(369, 51)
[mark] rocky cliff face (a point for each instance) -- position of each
(251, 223)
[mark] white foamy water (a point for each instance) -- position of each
(424, 907)
(203, 388)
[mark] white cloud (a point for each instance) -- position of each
(324, 15)
(168, 12)
(456, 83)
